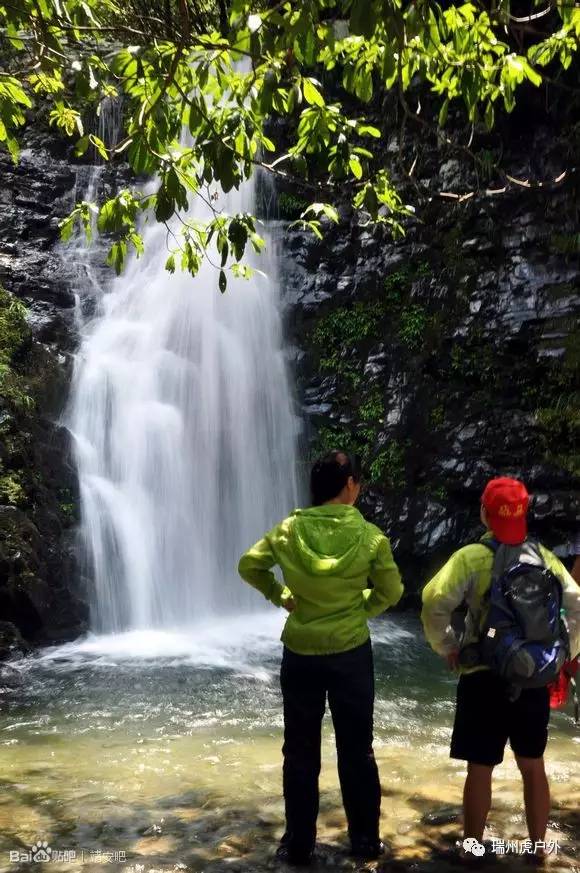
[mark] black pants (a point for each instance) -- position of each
(348, 679)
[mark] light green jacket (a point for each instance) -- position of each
(465, 578)
(327, 554)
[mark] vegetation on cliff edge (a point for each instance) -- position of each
(225, 70)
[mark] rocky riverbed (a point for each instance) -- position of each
(160, 752)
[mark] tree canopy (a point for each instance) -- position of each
(288, 86)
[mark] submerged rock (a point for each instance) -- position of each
(444, 816)
(11, 644)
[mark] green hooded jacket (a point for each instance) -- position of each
(327, 554)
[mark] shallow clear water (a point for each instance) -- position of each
(166, 746)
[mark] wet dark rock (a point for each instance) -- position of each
(10, 676)
(39, 590)
(445, 815)
(463, 360)
(11, 645)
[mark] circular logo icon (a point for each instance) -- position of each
(470, 844)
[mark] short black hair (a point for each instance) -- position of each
(330, 474)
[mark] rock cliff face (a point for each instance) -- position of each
(39, 599)
(450, 356)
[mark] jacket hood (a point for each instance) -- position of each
(327, 538)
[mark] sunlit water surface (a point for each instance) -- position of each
(166, 746)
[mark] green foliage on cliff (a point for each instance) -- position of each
(14, 339)
(347, 326)
(414, 321)
(372, 408)
(13, 328)
(388, 467)
(223, 70)
(337, 338)
(15, 398)
(28, 376)
(559, 413)
(290, 206)
(560, 426)
(11, 489)
(385, 468)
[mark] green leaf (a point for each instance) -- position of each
(12, 33)
(294, 98)
(137, 242)
(364, 86)
(170, 264)
(362, 18)
(238, 236)
(268, 144)
(389, 71)
(355, 167)
(67, 227)
(311, 93)
(13, 148)
(434, 29)
(82, 146)
(534, 77)
(443, 113)
(140, 158)
(362, 153)
(164, 205)
(222, 282)
(100, 147)
(371, 200)
(368, 130)
(489, 116)
(318, 209)
(117, 256)
(258, 243)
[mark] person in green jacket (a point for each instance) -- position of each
(327, 554)
(486, 715)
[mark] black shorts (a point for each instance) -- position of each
(485, 719)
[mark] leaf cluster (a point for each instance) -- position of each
(222, 77)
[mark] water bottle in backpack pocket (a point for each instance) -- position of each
(524, 636)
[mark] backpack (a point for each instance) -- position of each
(524, 636)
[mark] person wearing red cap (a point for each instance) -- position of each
(505, 510)
(486, 714)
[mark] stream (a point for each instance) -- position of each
(157, 750)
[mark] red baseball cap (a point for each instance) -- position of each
(506, 504)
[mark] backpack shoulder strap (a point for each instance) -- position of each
(531, 553)
(493, 545)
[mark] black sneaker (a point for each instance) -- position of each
(367, 849)
(287, 854)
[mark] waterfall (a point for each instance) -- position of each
(185, 436)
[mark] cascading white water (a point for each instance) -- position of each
(185, 436)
